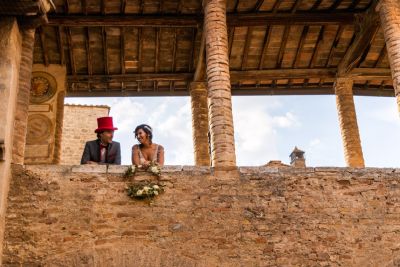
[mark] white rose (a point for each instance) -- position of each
(156, 186)
(139, 192)
(154, 169)
(155, 193)
(146, 188)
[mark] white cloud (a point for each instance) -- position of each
(287, 121)
(256, 129)
(315, 142)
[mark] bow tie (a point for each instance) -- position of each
(103, 146)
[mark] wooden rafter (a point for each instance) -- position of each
(141, 6)
(316, 4)
(235, 9)
(317, 47)
(265, 45)
(368, 28)
(283, 46)
(356, 74)
(174, 49)
(335, 4)
(103, 7)
(275, 8)
(231, 38)
(123, 6)
(301, 45)
(71, 51)
(354, 4)
(192, 49)
(381, 57)
(88, 52)
(233, 19)
(246, 47)
(200, 72)
(60, 44)
(122, 49)
(66, 6)
(295, 6)
(42, 38)
(334, 45)
(258, 5)
(157, 51)
(242, 90)
(84, 7)
(139, 50)
(105, 49)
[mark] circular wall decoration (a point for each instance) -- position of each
(43, 87)
(39, 129)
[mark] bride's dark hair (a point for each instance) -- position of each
(147, 129)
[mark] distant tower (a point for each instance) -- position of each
(297, 159)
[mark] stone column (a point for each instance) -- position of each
(219, 86)
(389, 11)
(21, 114)
(10, 56)
(348, 123)
(198, 95)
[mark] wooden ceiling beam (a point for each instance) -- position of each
(237, 76)
(238, 91)
(131, 77)
(187, 21)
(366, 28)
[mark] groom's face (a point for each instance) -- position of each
(107, 136)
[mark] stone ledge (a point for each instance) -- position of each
(198, 170)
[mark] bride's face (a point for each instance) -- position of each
(142, 136)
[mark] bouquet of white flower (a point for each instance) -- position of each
(154, 168)
(144, 190)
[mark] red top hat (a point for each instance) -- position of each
(105, 124)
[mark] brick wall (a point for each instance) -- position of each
(78, 127)
(80, 216)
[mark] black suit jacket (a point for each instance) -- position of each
(92, 152)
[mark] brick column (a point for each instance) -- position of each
(21, 115)
(348, 123)
(198, 94)
(389, 11)
(10, 56)
(219, 86)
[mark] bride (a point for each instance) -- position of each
(146, 151)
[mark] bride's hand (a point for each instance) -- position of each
(146, 164)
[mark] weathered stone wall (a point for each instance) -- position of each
(80, 121)
(10, 49)
(81, 216)
(24, 88)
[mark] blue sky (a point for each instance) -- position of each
(266, 128)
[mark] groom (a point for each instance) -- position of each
(103, 150)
